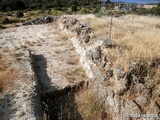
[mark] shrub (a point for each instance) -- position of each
(8, 14)
(74, 8)
(19, 14)
(1, 27)
(5, 20)
(14, 20)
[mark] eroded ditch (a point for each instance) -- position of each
(57, 104)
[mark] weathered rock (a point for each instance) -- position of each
(142, 101)
(118, 73)
(96, 53)
(78, 30)
(108, 66)
(105, 82)
(120, 87)
(130, 110)
(82, 25)
(135, 79)
(153, 112)
(147, 93)
(38, 21)
(97, 72)
(28, 23)
(139, 88)
(107, 43)
(110, 101)
(73, 21)
(103, 62)
(110, 93)
(48, 19)
(64, 20)
(86, 38)
(109, 73)
(86, 30)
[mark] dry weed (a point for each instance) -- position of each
(7, 75)
(137, 40)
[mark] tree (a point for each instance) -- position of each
(74, 8)
(19, 5)
(108, 1)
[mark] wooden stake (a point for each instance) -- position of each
(110, 26)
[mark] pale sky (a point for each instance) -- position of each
(137, 1)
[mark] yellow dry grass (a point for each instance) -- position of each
(136, 37)
(89, 106)
(7, 74)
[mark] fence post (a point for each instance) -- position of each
(110, 26)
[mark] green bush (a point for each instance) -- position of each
(1, 26)
(8, 14)
(5, 20)
(153, 11)
(19, 14)
(14, 20)
(74, 8)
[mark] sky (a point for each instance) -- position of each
(137, 1)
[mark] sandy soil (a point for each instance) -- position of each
(56, 64)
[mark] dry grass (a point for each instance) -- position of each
(75, 73)
(7, 75)
(89, 106)
(73, 60)
(137, 40)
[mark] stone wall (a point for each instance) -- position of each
(111, 85)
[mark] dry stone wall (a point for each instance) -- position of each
(124, 96)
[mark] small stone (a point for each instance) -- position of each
(105, 82)
(139, 88)
(142, 101)
(111, 101)
(107, 43)
(73, 21)
(110, 93)
(78, 30)
(103, 62)
(120, 87)
(108, 65)
(109, 73)
(48, 19)
(86, 38)
(118, 73)
(96, 53)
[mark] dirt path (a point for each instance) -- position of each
(55, 63)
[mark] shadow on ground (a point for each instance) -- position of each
(58, 104)
(7, 111)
